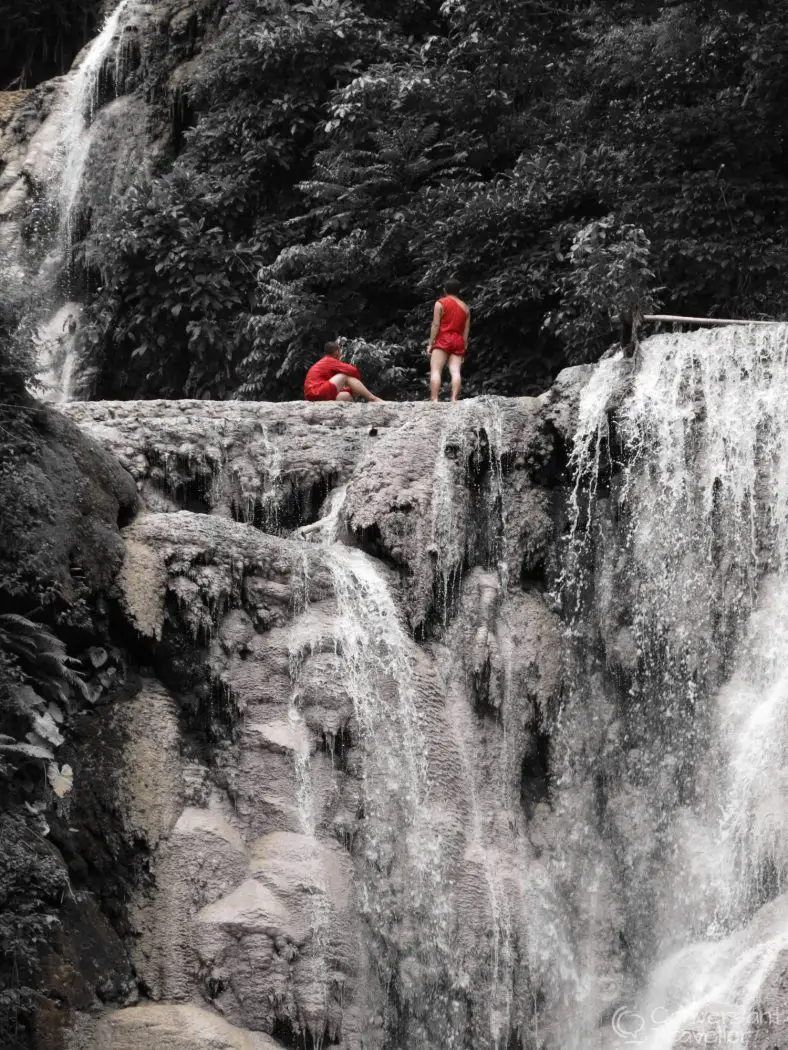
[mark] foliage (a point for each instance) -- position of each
(37, 678)
(173, 303)
(565, 159)
(17, 357)
(39, 683)
(610, 282)
(33, 883)
(39, 38)
(378, 364)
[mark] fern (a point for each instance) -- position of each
(41, 658)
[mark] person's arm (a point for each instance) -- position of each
(466, 333)
(437, 313)
(347, 370)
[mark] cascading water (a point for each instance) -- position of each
(425, 960)
(402, 889)
(79, 107)
(103, 61)
(679, 599)
(405, 899)
(526, 854)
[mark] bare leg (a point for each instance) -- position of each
(345, 395)
(351, 386)
(455, 364)
(437, 361)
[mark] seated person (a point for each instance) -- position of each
(333, 380)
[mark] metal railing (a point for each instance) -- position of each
(676, 319)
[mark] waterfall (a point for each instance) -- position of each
(404, 893)
(547, 811)
(79, 108)
(679, 606)
(103, 62)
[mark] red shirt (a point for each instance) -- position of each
(454, 316)
(323, 370)
(451, 334)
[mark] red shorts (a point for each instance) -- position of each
(451, 343)
(322, 392)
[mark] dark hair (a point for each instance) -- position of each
(452, 286)
(331, 349)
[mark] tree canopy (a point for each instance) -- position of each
(566, 159)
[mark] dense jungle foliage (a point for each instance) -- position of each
(39, 38)
(333, 161)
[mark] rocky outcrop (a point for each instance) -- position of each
(171, 1028)
(63, 500)
(358, 828)
(64, 497)
(423, 485)
(397, 751)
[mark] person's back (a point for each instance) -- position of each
(448, 341)
(454, 318)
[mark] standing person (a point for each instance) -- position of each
(451, 323)
(333, 380)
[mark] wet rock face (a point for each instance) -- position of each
(429, 491)
(61, 506)
(72, 147)
(360, 659)
(393, 792)
(61, 873)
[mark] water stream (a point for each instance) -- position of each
(77, 113)
(681, 596)
(102, 65)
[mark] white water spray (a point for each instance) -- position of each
(72, 122)
(78, 111)
(702, 494)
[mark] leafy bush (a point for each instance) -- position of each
(171, 315)
(610, 283)
(33, 883)
(345, 157)
(379, 364)
(37, 679)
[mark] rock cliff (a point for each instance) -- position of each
(442, 725)
(358, 656)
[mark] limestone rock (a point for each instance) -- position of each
(429, 488)
(174, 1028)
(150, 780)
(380, 814)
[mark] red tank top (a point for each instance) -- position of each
(451, 334)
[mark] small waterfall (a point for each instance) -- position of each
(471, 441)
(405, 899)
(680, 573)
(57, 353)
(101, 69)
(78, 111)
(402, 888)
(259, 496)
